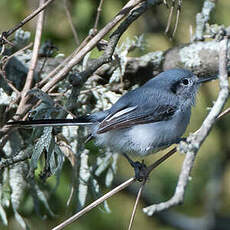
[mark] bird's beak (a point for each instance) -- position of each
(205, 79)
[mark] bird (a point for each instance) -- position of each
(144, 120)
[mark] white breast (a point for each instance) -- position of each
(144, 139)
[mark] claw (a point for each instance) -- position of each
(140, 169)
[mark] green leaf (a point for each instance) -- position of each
(3, 215)
(109, 177)
(84, 175)
(42, 96)
(41, 196)
(18, 185)
(43, 142)
(95, 187)
(60, 158)
(103, 163)
(19, 218)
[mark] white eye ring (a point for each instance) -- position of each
(185, 81)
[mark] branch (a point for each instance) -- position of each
(212, 219)
(114, 38)
(94, 204)
(194, 141)
(99, 9)
(77, 57)
(111, 193)
(30, 75)
(199, 57)
(202, 18)
(5, 35)
(21, 156)
(105, 58)
(69, 18)
(135, 205)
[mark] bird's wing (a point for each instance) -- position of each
(133, 115)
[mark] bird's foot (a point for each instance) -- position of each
(140, 169)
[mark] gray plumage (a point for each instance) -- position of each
(144, 120)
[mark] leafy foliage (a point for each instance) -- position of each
(44, 151)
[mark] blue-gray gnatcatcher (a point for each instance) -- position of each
(145, 120)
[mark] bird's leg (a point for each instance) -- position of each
(140, 168)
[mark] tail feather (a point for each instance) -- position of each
(53, 122)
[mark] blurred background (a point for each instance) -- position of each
(208, 192)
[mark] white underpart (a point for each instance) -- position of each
(144, 139)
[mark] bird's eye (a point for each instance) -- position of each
(185, 81)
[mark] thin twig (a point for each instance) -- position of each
(2, 49)
(34, 59)
(54, 71)
(158, 162)
(77, 56)
(76, 38)
(95, 203)
(170, 17)
(135, 205)
(105, 58)
(21, 156)
(99, 9)
(91, 34)
(4, 40)
(87, 44)
(28, 18)
(177, 17)
(225, 112)
(194, 141)
(91, 44)
(108, 195)
(202, 18)
(9, 83)
(4, 62)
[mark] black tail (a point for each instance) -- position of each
(53, 122)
